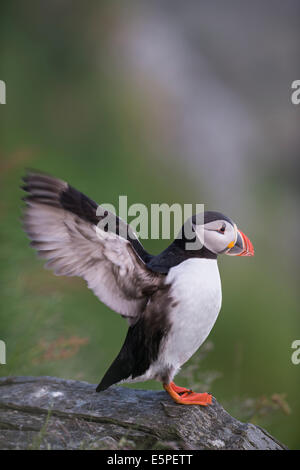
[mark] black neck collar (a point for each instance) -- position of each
(176, 253)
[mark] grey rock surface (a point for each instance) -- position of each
(53, 413)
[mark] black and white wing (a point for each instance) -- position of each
(64, 228)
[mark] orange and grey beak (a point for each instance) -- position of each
(242, 246)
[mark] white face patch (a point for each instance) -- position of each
(216, 235)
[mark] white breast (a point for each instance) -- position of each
(196, 287)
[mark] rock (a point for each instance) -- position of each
(52, 413)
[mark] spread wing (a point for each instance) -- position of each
(65, 229)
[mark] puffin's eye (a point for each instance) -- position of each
(222, 229)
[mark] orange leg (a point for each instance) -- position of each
(185, 396)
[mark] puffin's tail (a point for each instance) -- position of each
(122, 366)
(138, 352)
(117, 372)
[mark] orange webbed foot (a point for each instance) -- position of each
(184, 396)
(178, 389)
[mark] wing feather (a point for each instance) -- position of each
(63, 227)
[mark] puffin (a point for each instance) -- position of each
(171, 300)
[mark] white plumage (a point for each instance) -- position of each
(196, 287)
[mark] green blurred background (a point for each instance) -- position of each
(162, 102)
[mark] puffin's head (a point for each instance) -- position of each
(219, 234)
